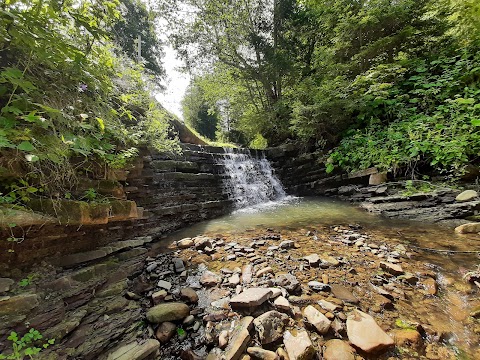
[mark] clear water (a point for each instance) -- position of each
(448, 311)
(249, 180)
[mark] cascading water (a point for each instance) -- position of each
(249, 180)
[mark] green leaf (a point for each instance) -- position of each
(475, 122)
(25, 146)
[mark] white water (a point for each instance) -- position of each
(250, 180)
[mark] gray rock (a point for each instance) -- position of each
(318, 286)
(364, 332)
(164, 285)
(287, 244)
(288, 282)
(270, 325)
(178, 265)
(313, 260)
(168, 312)
(282, 304)
(298, 347)
(328, 306)
(250, 298)
(151, 267)
(5, 284)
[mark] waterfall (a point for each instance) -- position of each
(249, 180)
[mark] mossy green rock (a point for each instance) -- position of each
(168, 312)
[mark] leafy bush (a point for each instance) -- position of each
(29, 345)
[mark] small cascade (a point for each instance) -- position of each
(249, 180)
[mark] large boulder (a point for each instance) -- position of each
(168, 312)
(270, 325)
(364, 333)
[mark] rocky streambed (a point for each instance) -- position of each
(338, 292)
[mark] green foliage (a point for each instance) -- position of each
(27, 281)
(29, 345)
(403, 324)
(427, 118)
(259, 142)
(68, 95)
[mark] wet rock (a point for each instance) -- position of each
(313, 260)
(247, 274)
(404, 337)
(318, 286)
(164, 285)
(165, 332)
(364, 333)
(185, 243)
(466, 195)
(298, 347)
(221, 303)
(250, 298)
(151, 267)
(270, 325)
(282, 304)
(239, 339)
(134, 350)
(167, 312)
(178, 265)
(261, 354)
(430, 286)
(393, 269)
(189, 295)
(317, 319)
(202, 242)
(336, 349)
(289, 282)
(470, 228)
(342, 293)
(209, 278)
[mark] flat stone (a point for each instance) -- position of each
(209, 278)
(282, 304)
(270, 325)
(202, 242)
(19, 304)
(318, 286)
(185, 243)
(261, 354)
(165, 332)
(342, 293)
(135, 351)
(178, 265)
(327, 261)
(239, 339)
(317, 319)
(289, 282)
(159, 296)
(276, 292)
(364, 333)
(336, 349)
(234, 280)
(393, 269)
(326, 305)
(5, 284)
(266, 270)
(168, 312)
(189, 295)
(466, 195)
(298, 347)
(313, 260)
(250, 298)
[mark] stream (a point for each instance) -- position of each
(309, 220)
